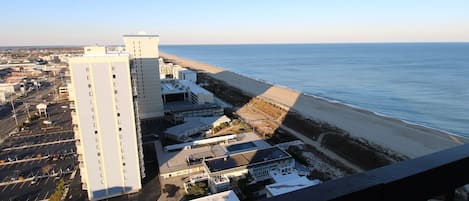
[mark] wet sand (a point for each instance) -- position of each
(407, 139)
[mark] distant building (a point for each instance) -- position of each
(108, 147)
(171, 71)
(184, 90)
(54, 58)
(9, 88)
(143, 51)
(63, 90)
(181, 73)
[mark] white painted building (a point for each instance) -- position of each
(197, 94)
(143, 51)
(108, 149)
(171, 71)
(223, 196)
(285, 183)
(181, 73)
(7, 90)
(184, 90)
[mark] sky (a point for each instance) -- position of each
(85, 22)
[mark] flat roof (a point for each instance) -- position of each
(223, 196)
(172, 87)
(193, 87)
(248, 158)
(290, 185)
(177, 160)
(182, 129)
(194, 123)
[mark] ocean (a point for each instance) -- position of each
(421, 83)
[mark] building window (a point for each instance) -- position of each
(114, 76)
(95, 132)
(115, 91)
(120, 129)
(118, 114)
(123, 164)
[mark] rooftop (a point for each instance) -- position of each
(172, 87)
(289, 183)
(193, 124)
(193, 87)
(177, 160)
(248, 158)
(223, 196)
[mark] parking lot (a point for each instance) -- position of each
(33, 161)
(40, 189)
(35, 139)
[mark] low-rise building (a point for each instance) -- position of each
(184, 90)
(177, 111)
(223, 196)
(171, 71)
(181, 73)
(285, 183)
(257, 163)
(193, 126)
(186, 158)
(63, 90)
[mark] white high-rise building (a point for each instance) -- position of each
(143, 51)
(109, 146)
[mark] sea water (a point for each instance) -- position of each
(421, 83)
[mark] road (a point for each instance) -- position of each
(7, 122)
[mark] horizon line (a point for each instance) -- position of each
(254, 43)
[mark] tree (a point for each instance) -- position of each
(59, 191)
(198, 188)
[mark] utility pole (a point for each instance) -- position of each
(27, 110)
(14, 112)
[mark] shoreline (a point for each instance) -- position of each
(407, 138)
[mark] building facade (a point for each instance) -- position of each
(143, 51)
(104, 123)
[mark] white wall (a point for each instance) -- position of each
(143, 50)
(98, 99)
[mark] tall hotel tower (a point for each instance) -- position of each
(143, 51)
(109, 145)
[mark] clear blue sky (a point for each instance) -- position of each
(81, 22)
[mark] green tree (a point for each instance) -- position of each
(59, 191)
(197, 189)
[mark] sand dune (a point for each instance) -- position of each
(410, 140)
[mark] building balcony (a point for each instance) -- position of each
(423, 178)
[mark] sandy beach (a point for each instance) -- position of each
(409, 140)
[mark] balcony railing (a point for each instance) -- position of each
(422, 178)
